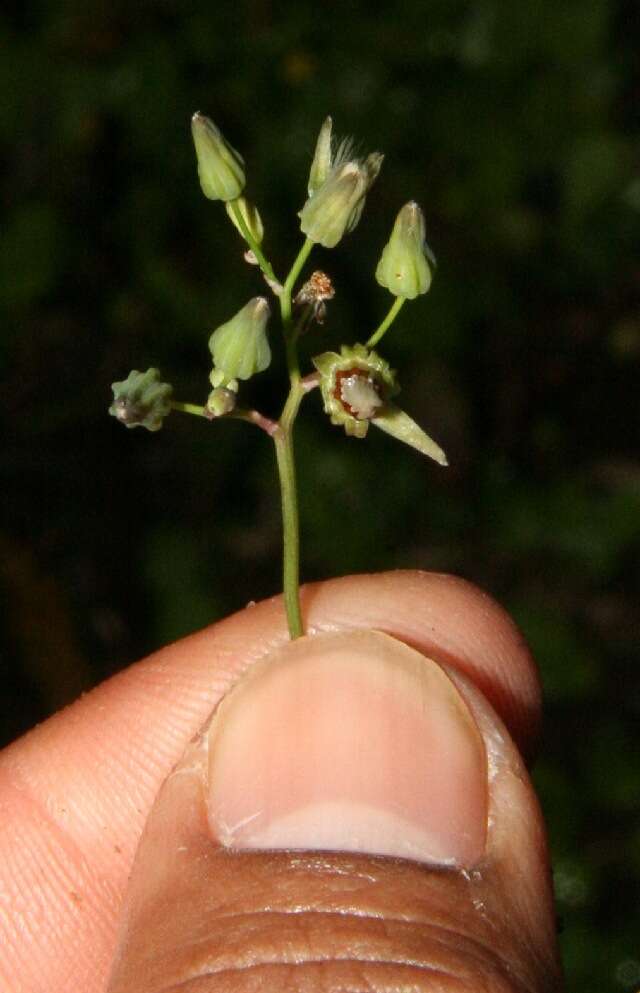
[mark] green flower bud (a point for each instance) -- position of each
(141, 400)
(218, 377)
(405, 264)
(355, 385)
(240, 347)
(338, 186)
(321, 165)
(250, 216)
(220, 167)
(221, 401)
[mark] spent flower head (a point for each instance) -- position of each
(313, 296)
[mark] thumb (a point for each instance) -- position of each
(353, 816)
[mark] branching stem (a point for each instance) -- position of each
(255, 417)
(269, 426)
(281, 430)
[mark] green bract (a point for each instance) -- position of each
(250, 216)
(221, 401)
(141, 400)
(405, 265)
(399, 425)
(321, 165)
(220, 167)
(240, 347)
(338, 186)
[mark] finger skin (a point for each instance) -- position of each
(202, 917)
(75, 792)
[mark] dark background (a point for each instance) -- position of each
(515, 125)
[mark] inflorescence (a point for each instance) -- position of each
(357, 385)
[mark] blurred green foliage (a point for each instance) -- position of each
(515, 125)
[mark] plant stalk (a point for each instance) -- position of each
(283, 439)
(285, 296)
(188, 408)
(393, 312)
(290, 532)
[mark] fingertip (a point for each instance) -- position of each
(448, 618)
(269, 843)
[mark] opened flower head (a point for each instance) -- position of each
(357, 386)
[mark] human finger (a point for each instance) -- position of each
(354, 815)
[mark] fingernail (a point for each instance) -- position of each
(349, 741)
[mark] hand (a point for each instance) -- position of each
(268, 861)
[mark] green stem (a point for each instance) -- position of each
(188, 408)
(290, 518)
(239, 414)
(283, 439)
(394, 310)
(285, 296)
(263, 262)
(255, 417)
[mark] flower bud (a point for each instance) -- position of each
(250, 216)
(141, 400)
(240, 347)
(338, 186)
(220, 401)
(220, 167)
(321, 165)
(405, 264)
(218, 377)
